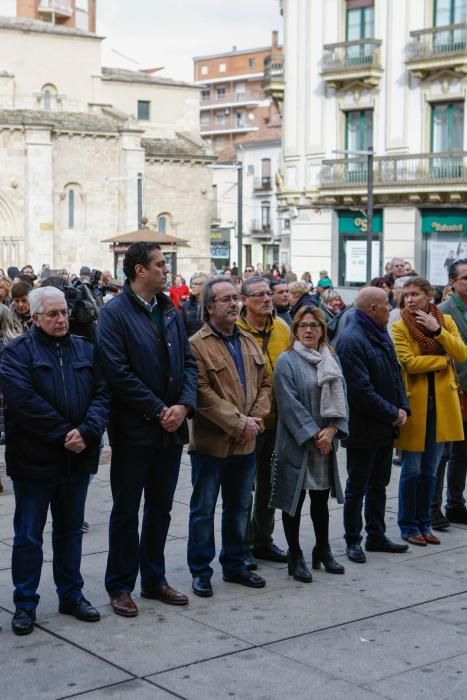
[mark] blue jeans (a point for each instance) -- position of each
(417, 481)
(457, 470)
(66, 498)
(369, 472)
(234, 476)
(135, 469)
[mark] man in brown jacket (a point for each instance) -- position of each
(234, 395)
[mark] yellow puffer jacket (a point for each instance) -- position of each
(415, 366)
(279, 339)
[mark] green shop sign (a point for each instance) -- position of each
(444, 221)
(355, 222)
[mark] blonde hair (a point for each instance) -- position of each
(8, 327)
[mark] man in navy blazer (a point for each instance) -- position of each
(152, 377)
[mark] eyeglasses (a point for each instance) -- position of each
(304, 326)
(226, 299)
(55, 313)
(259, 295)
(249, 269)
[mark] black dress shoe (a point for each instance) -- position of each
(270, 553)
(23, 621)
(458, 515)
(355, 553)
(439, 520)
(202, 586)
(250, 562)
(384, 545)
(246, 578)
(81, 609)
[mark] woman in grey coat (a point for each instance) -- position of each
(312, 415)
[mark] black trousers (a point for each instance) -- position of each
(319, 513)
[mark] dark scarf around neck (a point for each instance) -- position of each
(370, 326)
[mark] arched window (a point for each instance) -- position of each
(48, 97)
(71, 209)
(164, 223)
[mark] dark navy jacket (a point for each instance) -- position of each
(52, 385)
(145, 371)
(375, 390)
(192, 315)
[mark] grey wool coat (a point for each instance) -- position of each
(298, 421)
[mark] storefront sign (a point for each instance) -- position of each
(356, 222)
(446, 228)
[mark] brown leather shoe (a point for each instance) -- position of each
(166, 594)
(431, 539)
(123, 604)
(416, 539)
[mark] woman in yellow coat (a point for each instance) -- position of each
(426, 342)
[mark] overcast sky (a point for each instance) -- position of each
(170, 32)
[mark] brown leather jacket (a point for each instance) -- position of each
(223, 406)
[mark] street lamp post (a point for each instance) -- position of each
(370, 154)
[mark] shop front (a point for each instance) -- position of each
(353, 226)
(220, 248)
(444, 240)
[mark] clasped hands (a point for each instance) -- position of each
(323, 439)
(171, 417)
(252, 427)
(401, 418)
(74, 442)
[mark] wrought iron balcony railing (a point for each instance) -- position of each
(351, 55)
(262, 184)
(416, 169)
(438, 42)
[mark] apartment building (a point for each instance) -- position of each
(385, 75)
(233, 102)
(78, 14)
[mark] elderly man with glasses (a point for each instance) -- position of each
(234, 395)
(272, 336)
(57, 410)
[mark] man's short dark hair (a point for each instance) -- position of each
(453, 271)
(20, 289)
(276, 283)
(138, 254)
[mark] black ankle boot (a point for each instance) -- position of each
(297, 568)
(324, 555)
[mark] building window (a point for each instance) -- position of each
(219, 142)
(48, 96)
(71, 208)
(204, 70)
(266, 216)
(220, 118)
(82, 14)
(447, 136)
(222, 67)
(163, 223)
(240, 92)
(266, 173)
(358, 137)
(205, 95)
(251, 62)
(144, 110)
(239, 123)
(205, 119)
(449, 12)
(220, 93)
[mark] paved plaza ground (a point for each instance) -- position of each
(395, 627)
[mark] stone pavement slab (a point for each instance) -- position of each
(341, 637)
(257, 675)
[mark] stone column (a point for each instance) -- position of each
(39, 227)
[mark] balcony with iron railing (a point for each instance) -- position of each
(231, 99)
(262, 184)
(437, 48)
(260, 229)
(274, 83)
(62, 8)
(349, 61)
(228, 125)
(415, 170)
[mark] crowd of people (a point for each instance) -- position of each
(263, 376)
